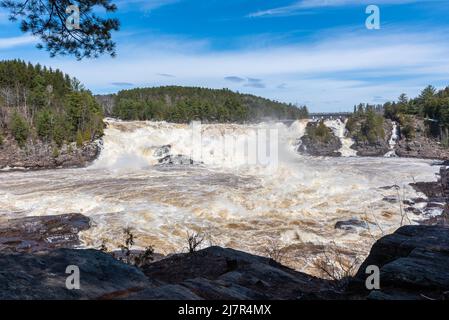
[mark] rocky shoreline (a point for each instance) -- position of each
(41, 155)
(413, 264)
(420, 147)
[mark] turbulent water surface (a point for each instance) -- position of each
(237, 205)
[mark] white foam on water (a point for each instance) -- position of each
(237, 205)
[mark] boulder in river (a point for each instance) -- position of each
(351, 225)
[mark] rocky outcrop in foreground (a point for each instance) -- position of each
(413, 262)
(40, 155)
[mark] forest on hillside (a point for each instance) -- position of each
(431, 105)
(184, 104)
(39, 103)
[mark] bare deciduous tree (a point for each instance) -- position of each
(335, 265)
(275, 250)
(194, 241)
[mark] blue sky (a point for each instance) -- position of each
(313, 52)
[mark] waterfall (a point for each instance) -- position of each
(339, 129)
(393, 140)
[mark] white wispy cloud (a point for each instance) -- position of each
(331, 73)
(8, 43)
(147, 5)
(298, 7)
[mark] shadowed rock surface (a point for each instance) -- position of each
(413, 262)
(218, 273)
(42, 275)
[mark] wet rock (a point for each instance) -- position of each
(32, 234)
(394, 186)
(390, 199)
(163, 151)
(178, 160)
(351, 225)
(413, 210)
(437, 198)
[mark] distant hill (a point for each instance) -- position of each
(184, 104)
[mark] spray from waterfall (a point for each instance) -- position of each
(138, 145)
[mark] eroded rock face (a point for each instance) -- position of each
(41, 155)
(413, 262)
(421, 146)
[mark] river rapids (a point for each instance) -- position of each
(295, 203)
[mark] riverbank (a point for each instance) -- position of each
(36, 155)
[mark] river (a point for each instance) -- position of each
(295, 203)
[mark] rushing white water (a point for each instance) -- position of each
(393, 140)
(237, 205)
(339, 129)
